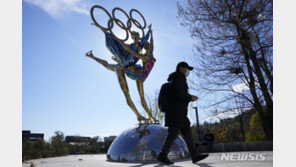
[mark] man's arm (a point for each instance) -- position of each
(178, 84)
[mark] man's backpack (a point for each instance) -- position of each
(163, 97)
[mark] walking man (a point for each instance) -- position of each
(176, 116)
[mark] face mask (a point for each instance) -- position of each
(187, 73)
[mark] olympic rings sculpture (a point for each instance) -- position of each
(119, 23)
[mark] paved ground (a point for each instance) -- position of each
(235, 159)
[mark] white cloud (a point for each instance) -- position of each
(240, 87)
(179, 36)
(222, 115)
(58, 8)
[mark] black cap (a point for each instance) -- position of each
(183, 64)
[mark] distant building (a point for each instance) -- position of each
(77, 140)
(110, 138)
(27, 135)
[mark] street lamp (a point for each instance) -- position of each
(197, 124)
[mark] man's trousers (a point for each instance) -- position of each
(172, 135)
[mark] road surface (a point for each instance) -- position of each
(230, 159)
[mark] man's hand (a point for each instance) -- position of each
(194, 98)
(89, 54)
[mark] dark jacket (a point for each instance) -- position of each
(209, 137)
(176, 116)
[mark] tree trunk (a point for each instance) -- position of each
(265, 121)
(246, 44)
(242, 127)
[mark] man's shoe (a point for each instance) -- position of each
(199, 157)
(164, 159)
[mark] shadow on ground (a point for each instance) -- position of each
(158, 164)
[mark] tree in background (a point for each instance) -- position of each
(106, 145)
(36, 149)
(46, 150)
(27, 150)
(152, 101)
(227, 130)
(58, 146)
(220, 135)
(256, 132)
(233, 54)
(39, 148)
(234, 132)
(240, 109)
(95, 144)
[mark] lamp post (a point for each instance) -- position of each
(197, 124)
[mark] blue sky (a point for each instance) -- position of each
(64, 90)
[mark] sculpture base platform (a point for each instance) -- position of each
(143, 143)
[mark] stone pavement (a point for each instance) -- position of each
(229, 159)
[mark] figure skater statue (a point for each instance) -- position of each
(119, 70)
(126, 56)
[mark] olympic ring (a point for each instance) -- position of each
(128, 23)
(139, 25)
(110, 24)
(135, 23)
(121, 25)
(127, 27)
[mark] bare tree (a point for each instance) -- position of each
(233, 54)
(152, 101)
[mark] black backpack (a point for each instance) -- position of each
(163, 97)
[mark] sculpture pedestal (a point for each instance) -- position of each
(143, 143)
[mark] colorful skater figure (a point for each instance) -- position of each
(116, 48)
(119, 70)
(127, 64)
(138, 72)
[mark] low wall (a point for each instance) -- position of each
(239, 146)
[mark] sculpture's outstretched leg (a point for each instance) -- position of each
(124, 88)
(143, 101)
(118, 69)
